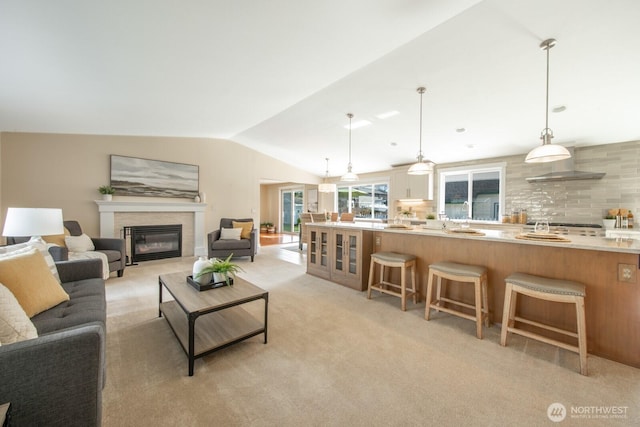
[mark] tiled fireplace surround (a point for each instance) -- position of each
(115, 215)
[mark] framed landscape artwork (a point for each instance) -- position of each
(132, 176)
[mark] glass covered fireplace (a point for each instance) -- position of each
(149, 242)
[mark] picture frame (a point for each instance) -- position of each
(133, 176)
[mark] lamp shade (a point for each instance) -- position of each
(421, 168)
(547, 153)
(33, 222)
(349, 177)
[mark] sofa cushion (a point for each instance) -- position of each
(31, 282)
(230, 233)
(246, 228)
(86, 304)
(81, 243)
(15, 325)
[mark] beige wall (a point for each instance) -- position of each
(65, 171)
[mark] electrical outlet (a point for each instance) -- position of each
(627, 273)
(378, 241)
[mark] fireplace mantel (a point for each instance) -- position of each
(107, 210)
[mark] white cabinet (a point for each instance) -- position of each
(405, 186)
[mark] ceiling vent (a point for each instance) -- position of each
(563, 170)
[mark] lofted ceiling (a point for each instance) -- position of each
(280, 76)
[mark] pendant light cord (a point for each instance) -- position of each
(421, 91)
(546, 121)
(350, 117)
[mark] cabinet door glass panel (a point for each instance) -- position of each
(313, 247)
(353, 254)
(339, 250)
(323, 248)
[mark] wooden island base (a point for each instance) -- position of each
(612, 305)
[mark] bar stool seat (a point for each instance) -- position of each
(555, 290)
(393, 259)
(474, 274)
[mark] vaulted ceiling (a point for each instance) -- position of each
(280, 76)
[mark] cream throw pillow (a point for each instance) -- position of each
(230, 233)
(31, 282)
(81, 243)
(15, 325)
(246, 227)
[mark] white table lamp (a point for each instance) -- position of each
(36, 222)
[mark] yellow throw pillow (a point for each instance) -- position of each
(31, 282)
(57, 239)
(246, 228)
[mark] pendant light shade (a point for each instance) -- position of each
(423, 167)
(547, 152)
(349, 176)
(327, 187)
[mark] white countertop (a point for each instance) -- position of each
(623, 244)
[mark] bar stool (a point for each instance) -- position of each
(549, 290)
(460, 273)
(393, 259)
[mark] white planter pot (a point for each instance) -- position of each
(200, 264)
(107, 197)
(609, 224)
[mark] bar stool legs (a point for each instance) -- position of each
(388, 260)
(460, 273)
(546, 289)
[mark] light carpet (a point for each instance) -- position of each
(335, 358)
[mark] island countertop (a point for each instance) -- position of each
(508, 235)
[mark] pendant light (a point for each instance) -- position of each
(547, 152)
(349, 176)
(423, 167)
(326, 186)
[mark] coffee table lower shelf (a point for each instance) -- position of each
(215, 330)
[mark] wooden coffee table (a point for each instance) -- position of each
(221, 319)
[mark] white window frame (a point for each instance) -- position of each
(372, 183)
(500, 167)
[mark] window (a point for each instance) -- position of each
(365, 201)
(476, 193)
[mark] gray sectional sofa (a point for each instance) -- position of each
(57, 378)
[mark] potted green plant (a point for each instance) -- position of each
(263, 227)
(106, 191)
(223, 270)
(270, 227)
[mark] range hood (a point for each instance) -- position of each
(563, 170)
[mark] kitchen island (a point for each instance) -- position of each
(608, 267)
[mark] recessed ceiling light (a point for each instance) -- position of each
(388, 114)
(460, 130)
(559, 108)
(359, 124)
(393, 143)
(470, 146)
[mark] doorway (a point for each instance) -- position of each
(290, 209)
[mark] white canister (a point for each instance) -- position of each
(200, 264)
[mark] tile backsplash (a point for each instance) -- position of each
(583, 201)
